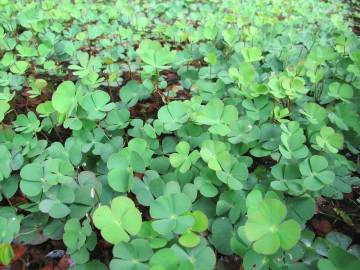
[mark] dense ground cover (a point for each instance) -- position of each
(179, 135)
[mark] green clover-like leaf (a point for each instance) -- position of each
(134, 158)
(314, 113)
(174, 115)
(244, 75)
(117, 119)
(27, 124)
(119, 221)
(32, 177)
(234, 175)
(293, 141)
(58, 171)
(339, 259)
(218, 116)
(343, 92)
(56, 202)
(132, 92)
(252, 54)
(5, 162)
(6, 253)
(268, 230)
(221, 233)
(152, 53)
(171, 213)
(329, 140)
(183, 158)
(191, 238)
(19, 67)
(64, 98)
(4, 107)
(55, 209)
(315, 174)
(230, 36)
(131, 256)
(97, 104)
(200, 257)
(155, 239)
(75, 234)
(294, 87)
(164, 258)
(288, 178)
(243, 131)
(215, 154)
(9, 224)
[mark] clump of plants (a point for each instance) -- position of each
(179, 132)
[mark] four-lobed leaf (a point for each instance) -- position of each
(315, 173)
(152, 53)
(118, 221)
(218, 116)
(132, 92)
(215, 154)
(171, 214)
(132, 256)
(97, 104)
(329, 140)
(268, 230)
(174, 115)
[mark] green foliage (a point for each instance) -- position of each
(19, 67)
(218, 116)
(37, 86)
(292, 138)
(132, 92)
(171, 213)
(134, 255)
(179, 131)
(6, 254)
(10, 224)
(267, 228)
(329, 140)
(118, 221)
(5, 161)
(244, 75)
(153, 54)
(97, 104)
(315, 174)
(251, 54)
(190, 238)
(27, 124)
(183, 158)
(215, 154)
(338, 259)
(314, 113)
(343, 92)
(4, 107)
(79, 239)
(64, 98)
(32, 177)
(173, 115)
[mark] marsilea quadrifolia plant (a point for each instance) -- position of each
(178, 131)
